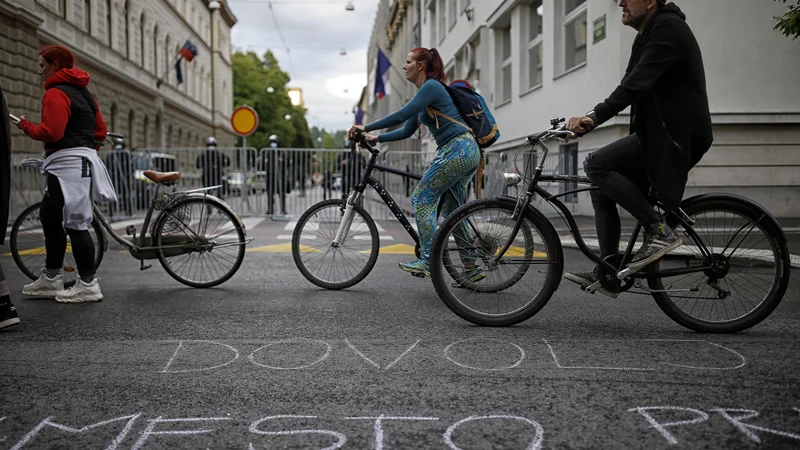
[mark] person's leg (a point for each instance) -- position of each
(51, 283)
(470, 272)
(83, 250)
(455, 161)
(8, 312)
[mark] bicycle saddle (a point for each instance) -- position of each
(162, 177)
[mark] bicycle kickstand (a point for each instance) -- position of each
(143, 267)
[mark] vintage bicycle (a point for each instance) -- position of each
(730, 273)
(198, 239)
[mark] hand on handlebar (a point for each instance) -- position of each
(579, 125)
(354, 129)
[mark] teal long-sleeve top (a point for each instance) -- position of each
(432, 94)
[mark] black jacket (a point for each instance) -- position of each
(665, 86)
(5, 166)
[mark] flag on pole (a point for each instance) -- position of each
(359, 116)
(178, 73)
(189, 51)
(382, 87)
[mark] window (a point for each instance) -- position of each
(109, 28)
(146, 134)
(442, 21)
(87, 16)
(113, 121)
(167, 68)
(574, 34)
(432, 13)
(155, 62)
(532, 55)
(569, 166)
(62, 9)
(131, 136)
(142, 39)
(124, 20)
(452, 11)
(503, 52)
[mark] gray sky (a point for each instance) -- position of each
(315, 32)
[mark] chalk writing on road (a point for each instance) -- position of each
(303, 353)
(675, 424)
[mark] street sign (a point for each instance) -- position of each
(244, 120)
(599, 29)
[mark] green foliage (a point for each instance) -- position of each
(789, 23)
(329, 141)
(252, 75)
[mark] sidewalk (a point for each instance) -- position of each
(586, 226)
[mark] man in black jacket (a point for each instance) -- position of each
(8, 313)
(670, 130)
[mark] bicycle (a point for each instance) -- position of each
(697, 285)
(191, 228)
(331, 231)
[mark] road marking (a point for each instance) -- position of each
(396, 249)
(283, 248)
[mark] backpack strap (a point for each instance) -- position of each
(432, 113)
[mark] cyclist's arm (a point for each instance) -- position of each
(403, 133)
(664, 49)
(425, 97)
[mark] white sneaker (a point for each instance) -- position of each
(81, 292)
(45, 287)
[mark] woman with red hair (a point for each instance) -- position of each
(457, 157)
(72, 130)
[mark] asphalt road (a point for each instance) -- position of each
(268, 361)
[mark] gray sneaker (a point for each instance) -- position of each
(45, 287)
(81, 292)
(659, 239)
(587, 279)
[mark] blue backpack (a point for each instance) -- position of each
(476, 114)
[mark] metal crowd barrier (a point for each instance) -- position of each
(282, 182)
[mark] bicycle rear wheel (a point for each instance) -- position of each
(26, 243)
(748, 270)
(514, 288)
(328, 266)
(205, 242)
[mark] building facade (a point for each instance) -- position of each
(533, 60)
(129, 47)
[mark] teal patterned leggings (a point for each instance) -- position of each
(452, 167)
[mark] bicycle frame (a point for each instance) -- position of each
(139, 247)
(358, 191)
(523, 202)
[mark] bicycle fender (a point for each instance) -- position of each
(224, 205)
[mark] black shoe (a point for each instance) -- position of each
(587, 279)
(659, 239)
(8, 315)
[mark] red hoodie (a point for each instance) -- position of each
(56, 109)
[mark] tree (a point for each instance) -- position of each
(252, 75)
(789, 24)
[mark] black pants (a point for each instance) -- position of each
(620, 171)
(55, 240)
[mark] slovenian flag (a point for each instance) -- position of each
(189, 51)
(359, 116)
(382, 75)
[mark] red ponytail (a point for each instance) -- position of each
(58, 53)
(434, 67)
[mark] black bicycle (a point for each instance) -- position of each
(335, 243)
(729, 274)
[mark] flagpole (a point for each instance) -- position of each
(167, 69)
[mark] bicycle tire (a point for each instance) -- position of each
(31, 213)
(777, 243)
(534, 220)
(299, 249)
(179, 209)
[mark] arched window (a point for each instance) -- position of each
(146, 132)
(62, 9)
(156, 65)
(141, 38)
(179, 141)
(109, 27)
(113, 118)
(167, 51)
(202, 96)
(87, 16)
(127, 24)
(169, 136)
(131, 136)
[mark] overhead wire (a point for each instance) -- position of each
(288, 51)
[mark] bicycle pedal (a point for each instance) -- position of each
(130, 230)
(418, 274)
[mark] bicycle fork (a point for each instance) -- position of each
(347, 219)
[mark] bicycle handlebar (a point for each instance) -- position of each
(359, 138)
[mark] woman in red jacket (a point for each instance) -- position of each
(71, 120)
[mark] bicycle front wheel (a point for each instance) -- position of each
(332, 266)
(743, 278)
(202, 242)
(27, 246)
(495, 293)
